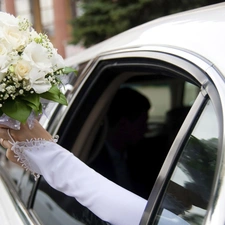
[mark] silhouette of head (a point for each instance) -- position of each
(128, 115)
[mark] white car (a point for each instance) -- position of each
(178, 63)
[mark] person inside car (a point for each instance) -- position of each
(124, 159)
(127, 124)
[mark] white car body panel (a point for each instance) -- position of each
(206, 37)
(8, 213)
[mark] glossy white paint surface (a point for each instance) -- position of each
(201, 31)
(8, 212)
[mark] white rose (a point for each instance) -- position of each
(3, 49)
(38, 81)
(22, 69)
(38, 57)
(8, 19)
(57, 60)
(16, 38)
(4, 64)
(15, 31)
(4, 57)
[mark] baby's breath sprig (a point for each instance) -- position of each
(23, 23)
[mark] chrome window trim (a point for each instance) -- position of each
(154, 52)
(166, 54)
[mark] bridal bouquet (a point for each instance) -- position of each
(30, 69)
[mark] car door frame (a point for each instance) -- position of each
(199, 69)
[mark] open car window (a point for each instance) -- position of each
(86, 127)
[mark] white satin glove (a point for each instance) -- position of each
(66, 173)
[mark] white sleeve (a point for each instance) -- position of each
(66, 173)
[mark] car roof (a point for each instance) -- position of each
(201, 31)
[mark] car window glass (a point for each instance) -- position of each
(54, 207)
(190, 92)
(159, 108)
(168, 115)
(187, 195)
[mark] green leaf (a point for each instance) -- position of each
(54, 94)
(69, 70)
(17, 109)
(33, 101)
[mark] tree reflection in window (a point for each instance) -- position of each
(188, 192)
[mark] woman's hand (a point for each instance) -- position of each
(25, 133)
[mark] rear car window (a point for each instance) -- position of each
(188, 192)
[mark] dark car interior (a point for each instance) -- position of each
(140, 157)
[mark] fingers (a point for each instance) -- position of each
(5, 143)
(5, 134)
(9, 136)
(12, 157)
(25, 133)
(9, 153)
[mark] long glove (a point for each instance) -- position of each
(66, 173)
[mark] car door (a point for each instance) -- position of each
(181, 93)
